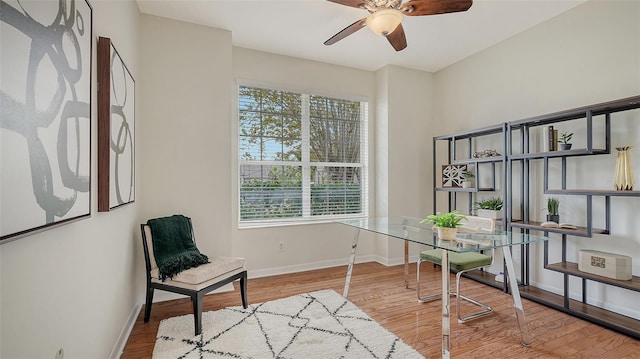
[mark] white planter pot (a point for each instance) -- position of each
(467, 184)
(447, 233)
(489, 213)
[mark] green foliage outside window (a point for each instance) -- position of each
(271, 132)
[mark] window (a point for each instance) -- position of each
(301, 156)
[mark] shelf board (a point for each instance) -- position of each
(489, 130)
(618, 322)
(460, 189)
(568, 153)
(484, 277)
(624, 104)
(594, 192)
(579, 232)
(572, 269)
(626, 325)
(496, 159)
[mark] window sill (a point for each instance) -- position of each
(296, 222)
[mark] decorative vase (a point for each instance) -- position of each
(447, 233)
(553, 218)
(624, 180)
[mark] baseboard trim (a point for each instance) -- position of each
(118, 348)
(307, 267)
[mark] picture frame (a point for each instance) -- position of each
(116, 129)
(45, 117)
(453, 175)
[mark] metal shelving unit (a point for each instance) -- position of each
(518, 134)
(479, 164)
(521, 131)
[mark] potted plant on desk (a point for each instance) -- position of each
(446, 223)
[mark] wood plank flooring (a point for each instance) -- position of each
(380, 292)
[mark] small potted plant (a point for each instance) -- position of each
(468, 179)
(489, 208)
(553, 205)
(564, 141)
(446, 223)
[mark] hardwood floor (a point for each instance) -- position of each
(379, 291)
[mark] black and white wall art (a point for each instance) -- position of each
(45, 114)
(116, 130)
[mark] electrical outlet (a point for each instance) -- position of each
(281, 247)
(60, 354)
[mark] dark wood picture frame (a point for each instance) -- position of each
(116, 129)
(45, 117)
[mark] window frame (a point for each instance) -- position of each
(306, 163)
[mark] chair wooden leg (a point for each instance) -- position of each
(197, 312)
(147, 307)
(243, 290)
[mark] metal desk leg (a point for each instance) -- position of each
(515, 293)
(446, 301)
(406, 264)
(352, 260)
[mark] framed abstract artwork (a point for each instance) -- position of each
(45, 114)
(116, 129)
(453, 175)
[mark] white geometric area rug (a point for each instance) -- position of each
(320, 324)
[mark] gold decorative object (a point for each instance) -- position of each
(624, 180)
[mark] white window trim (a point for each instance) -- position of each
(306, 219)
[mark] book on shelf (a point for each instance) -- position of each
(559, 225)
(555, 140)
(545, 140)
(549, 138)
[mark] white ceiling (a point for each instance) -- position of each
(299, 28)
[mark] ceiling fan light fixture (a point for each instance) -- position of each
(384, 21)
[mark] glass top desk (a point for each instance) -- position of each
(411, 230)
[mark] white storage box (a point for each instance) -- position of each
(608, 265)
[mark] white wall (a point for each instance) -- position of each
(71, 287)
(587, 55)
(306, 246)
(186, 149)
(403, 150)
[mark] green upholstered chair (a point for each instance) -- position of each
(194, 282)
(461, 263)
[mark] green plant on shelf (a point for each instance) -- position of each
(468, 174)
(565, 138)
(493, 203)
(553, 206)
(445, 220)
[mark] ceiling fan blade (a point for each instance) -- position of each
(434, 7)
(347, 31)
(397, 38)
(353, 3)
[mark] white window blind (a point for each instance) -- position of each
(301, 156)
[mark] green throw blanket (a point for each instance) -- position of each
(173, 245)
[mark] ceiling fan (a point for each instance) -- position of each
(386, 16)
